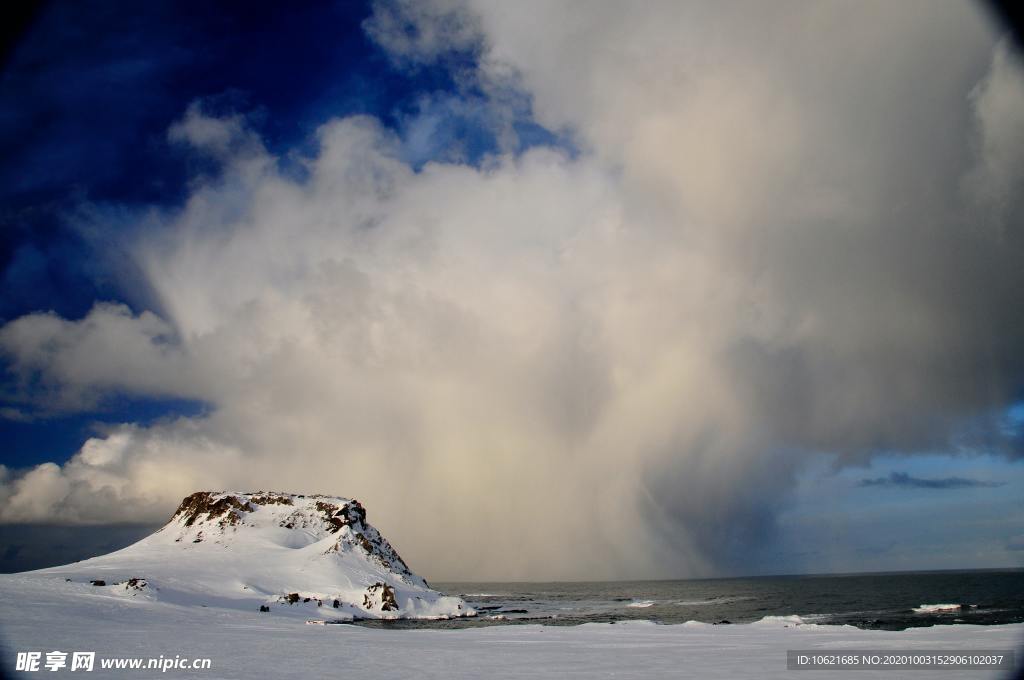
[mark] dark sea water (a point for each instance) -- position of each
(892, 601)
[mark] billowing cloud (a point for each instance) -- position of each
(70, 364)
(128, 475)
(787, 230)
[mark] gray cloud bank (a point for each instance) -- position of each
(790, 229)
(904, 480)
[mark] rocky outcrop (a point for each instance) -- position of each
(230, 508)
(380, 596)
(271, 499)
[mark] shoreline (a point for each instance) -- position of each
(40, 616)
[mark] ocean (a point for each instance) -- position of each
(890, 601)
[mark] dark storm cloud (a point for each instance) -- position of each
(37, 546)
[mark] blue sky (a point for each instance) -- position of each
(840, 524)
(771, 311)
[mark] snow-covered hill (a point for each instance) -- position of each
(302, 556)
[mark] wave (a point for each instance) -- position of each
(641, 603)
(942, 608)
(792, 619)
(725, 599)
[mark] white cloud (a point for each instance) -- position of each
(222, 137)
(415, 32)
(124, 476)
(110, 349)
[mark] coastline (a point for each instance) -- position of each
(253, 646)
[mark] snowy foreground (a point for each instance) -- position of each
(237, 578)
(37, 614)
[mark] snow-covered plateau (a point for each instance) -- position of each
(195, 590)
(291, 555)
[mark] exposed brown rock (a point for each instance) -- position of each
(271, 499)
(202, 502)
(341, 516)
(326, 508)
(386, 594)
(364, 543)
(377, 547)
(352, 513)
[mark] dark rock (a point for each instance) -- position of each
(386, 594)
(380, 550)
(327, 509)
(364, 543)
(271, 499)
(352, 513)
(202, 502)
(98, 582)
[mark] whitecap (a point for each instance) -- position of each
(938, 608)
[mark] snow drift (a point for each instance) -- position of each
(310, 556)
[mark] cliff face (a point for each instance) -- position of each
(272, 553)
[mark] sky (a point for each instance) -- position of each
(558, 290)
